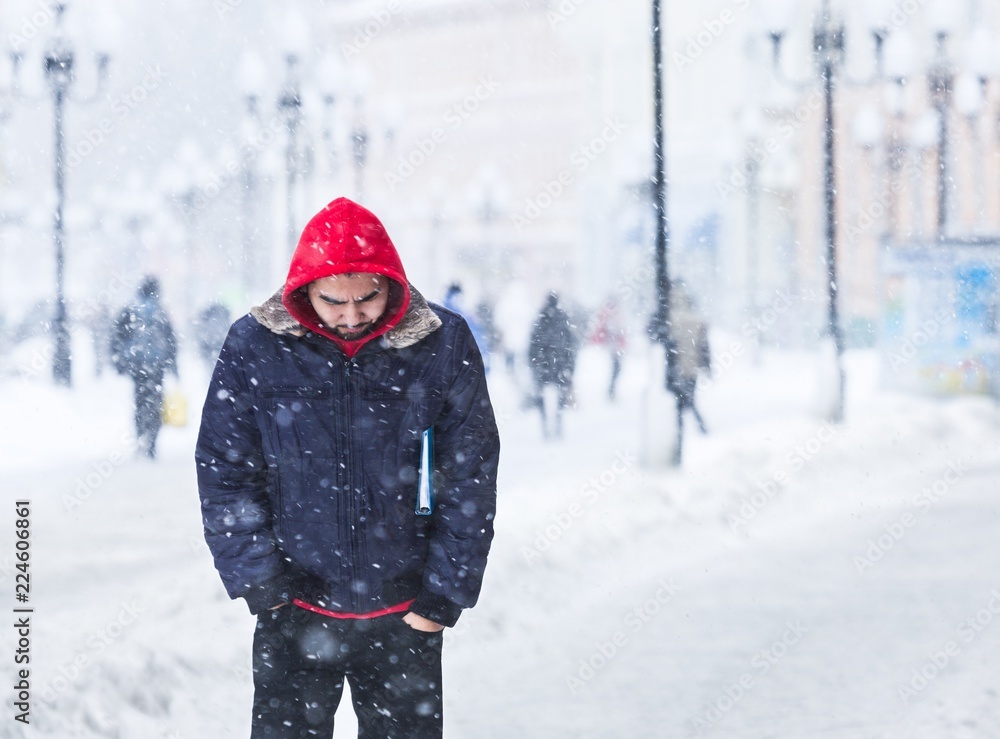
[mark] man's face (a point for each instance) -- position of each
(350, 305)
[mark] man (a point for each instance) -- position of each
(552, 358)
(309, 462)
(144, 348)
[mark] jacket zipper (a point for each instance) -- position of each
(352, 508)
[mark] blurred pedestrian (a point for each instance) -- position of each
(609, 333)
(144, 348)
(492, 337)
(691, 355)
(454, 300)
(552, 358)
(211, 327)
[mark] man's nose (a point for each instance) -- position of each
(352, 314)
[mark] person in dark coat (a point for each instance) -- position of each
(347, 463)
(211, 328)
(552, 358)
(144, 348)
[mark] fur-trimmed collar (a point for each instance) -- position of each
(418, 322)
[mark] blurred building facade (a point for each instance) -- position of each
(888, 133)
(523, 146)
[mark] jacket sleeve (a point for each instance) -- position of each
(232, 483)
(467, 453)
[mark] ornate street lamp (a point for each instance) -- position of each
(828, 51)
(58, 65)
(660, 326)
(970, 98)
(251, 74)
(329, 79)
(900, 60)
(180, 182)
(359, 83)
(294, 39)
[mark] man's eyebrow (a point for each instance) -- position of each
(363, 299)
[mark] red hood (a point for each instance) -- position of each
(344, 237)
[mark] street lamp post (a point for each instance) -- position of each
(184, 195)
(828, 47)
(971, 97)
(330, 73)
(940, 79)
(59, 73)
(290, 106)
(58, 65)
(252, 72)
(294, 38)
(660, 327)
(488, 200)
(359, 82)
(828, 41)
(181, 184)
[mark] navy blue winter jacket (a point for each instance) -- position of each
(307, 465)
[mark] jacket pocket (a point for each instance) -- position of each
(299, 423)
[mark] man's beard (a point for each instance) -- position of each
(355, 334)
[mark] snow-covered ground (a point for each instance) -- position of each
(793, 579)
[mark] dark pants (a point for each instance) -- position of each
(616, 368)
(148, 411)
(684, 392)
(552, 427)
(300, 661)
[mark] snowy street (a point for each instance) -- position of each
(794, 579)
(656, 342)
